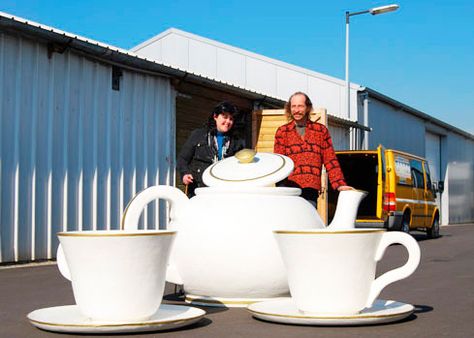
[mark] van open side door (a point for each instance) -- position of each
(381, 182)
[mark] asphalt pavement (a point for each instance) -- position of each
(442, 291)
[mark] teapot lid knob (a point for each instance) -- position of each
(245, 155)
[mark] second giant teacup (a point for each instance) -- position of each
(116, 275)
(332, 272)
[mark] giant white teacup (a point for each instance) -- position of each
(332, 272)
(116, 275)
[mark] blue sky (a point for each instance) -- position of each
(421, 55)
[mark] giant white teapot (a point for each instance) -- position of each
(224, 253)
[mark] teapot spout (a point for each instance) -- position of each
(346, 209)
(172, 273)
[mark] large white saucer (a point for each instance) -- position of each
(68, 318)
(285, 311)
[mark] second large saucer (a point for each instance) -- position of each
(284, 311)
(69, 319)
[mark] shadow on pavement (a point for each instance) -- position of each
(420, 237)
(422, 308)
(178, 299)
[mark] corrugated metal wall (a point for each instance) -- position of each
(459, 179)
(460, 184)
(72, 150)
(395, 129)
(340, 137)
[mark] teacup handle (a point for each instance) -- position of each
(62, 263)
(399, 273)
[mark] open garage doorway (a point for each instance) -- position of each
(194, 103)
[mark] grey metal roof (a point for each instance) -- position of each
(418, 113)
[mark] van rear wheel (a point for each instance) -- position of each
(405, 226)
(433, 232)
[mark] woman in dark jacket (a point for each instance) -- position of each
(208, 145)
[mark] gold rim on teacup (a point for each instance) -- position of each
(118, 233)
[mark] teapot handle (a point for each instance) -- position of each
(177, 201)
(174, 196)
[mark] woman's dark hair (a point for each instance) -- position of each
(223, 107)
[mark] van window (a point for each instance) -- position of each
(428, 177)
(417, 174)
(402, 170)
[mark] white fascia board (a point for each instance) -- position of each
(244, 53)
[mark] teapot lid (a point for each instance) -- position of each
(248, 168)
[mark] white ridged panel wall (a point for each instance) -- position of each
(73, 151)
(248, 70)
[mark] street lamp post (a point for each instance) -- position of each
(373, 11)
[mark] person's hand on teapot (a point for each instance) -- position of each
(344, 187)
(188, 179)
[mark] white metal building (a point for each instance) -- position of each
(85, 125)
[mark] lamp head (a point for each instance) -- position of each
(383, 9)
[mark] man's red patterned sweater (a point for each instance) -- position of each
(309, 154)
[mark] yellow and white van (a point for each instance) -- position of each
(401, 194)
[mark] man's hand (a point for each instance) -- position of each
(188, 179)
(345, 187)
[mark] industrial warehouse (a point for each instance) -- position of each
(85, 126)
